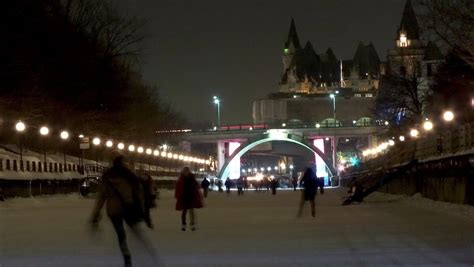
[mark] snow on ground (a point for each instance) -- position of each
(258, 229)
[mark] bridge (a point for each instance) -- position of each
(234, 141)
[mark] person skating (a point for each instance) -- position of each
(228, 185)
(240, 186)
(188, 197)
(219, 185)
(309, 183)
(274, 184)
(205, 186)
(122, 192)
(295, 181)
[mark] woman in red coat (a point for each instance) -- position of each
(188, 197)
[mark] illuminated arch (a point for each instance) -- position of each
(274, 135)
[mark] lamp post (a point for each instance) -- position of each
(64, 136)
(20, 128)
(333, 97)
(44, 131)
(96, 142)
(217, 102)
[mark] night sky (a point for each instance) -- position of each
(196, 49)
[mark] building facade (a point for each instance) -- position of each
(309, 79)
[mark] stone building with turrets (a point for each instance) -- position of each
(308, 78)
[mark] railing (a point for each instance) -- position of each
(446, 143)
(15, 165)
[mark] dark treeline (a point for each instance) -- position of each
(72, 64)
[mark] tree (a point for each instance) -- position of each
(453, 22)
(403, 97)
(72, 63)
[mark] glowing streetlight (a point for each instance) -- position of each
(283, 125)
(175, 156)
(169, 155)
(217, 102)
(148, 151)
(448, 115)
(414, 133)
(20, 126)
(156, 153)
(44, 130)
(428, 125)
(401, 138)
(140, 149)
(333, 97)
(180, 157)
(96, 141)
(391, 142)
(131, 148)
(269, 168)
(64, 135)
(163, 154)
(109, 143)
(121, 146)
(318, 125)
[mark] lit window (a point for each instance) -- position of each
(368, 95)
(403, 40)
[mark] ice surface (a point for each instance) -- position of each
(258, 229)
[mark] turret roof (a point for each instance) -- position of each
(409, 23)
(292, 36)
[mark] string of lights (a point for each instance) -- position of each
(110, 143)
(414, 133)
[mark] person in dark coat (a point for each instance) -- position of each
(274, 184)
(228, 185)
(150, 197)
(294, 181)
(219, 185)
(240, 186)
(188, 197)
(309, 182)
(121, 190)
(205, 186)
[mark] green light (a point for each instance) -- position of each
(286, 50)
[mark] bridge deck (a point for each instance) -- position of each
(257, 229)
(206, 136)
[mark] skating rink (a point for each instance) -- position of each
(258, 229)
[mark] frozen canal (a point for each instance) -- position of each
(255, 230)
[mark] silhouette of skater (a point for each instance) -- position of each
(309, 182)
(123, 193)
(228, 185)
(205, 186)
(274, 184)
(240, 186)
